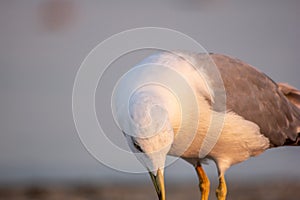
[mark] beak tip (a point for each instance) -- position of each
(158, 182)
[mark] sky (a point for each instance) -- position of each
(43, 43)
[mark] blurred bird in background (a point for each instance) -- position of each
(55, 15)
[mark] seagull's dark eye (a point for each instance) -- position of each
(137, 146)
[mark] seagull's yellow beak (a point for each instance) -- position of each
(159, 184)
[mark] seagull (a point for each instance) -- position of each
(173, 103)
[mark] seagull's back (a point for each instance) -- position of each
(254, 96)
(259, 114)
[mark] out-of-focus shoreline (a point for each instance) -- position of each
(240, 190)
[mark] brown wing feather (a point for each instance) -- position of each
(254, 96)
(291, 93)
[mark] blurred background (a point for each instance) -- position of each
(43, 43)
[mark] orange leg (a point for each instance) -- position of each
(222, 189)
(204, 183)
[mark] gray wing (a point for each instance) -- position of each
(254, 96)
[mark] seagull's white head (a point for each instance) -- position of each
(147, 127)
(151, 133)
